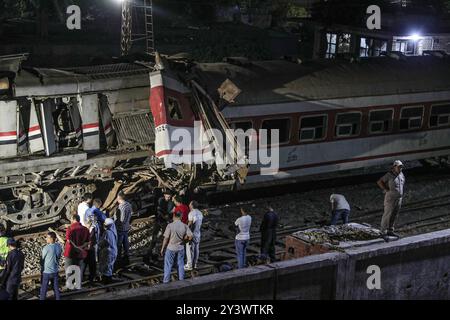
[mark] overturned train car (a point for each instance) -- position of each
(63, 132)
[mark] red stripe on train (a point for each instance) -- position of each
(34, 128)
(10, 133)
(90, 125)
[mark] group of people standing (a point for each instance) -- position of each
(93, 241)
(98, 242)
(180, 226)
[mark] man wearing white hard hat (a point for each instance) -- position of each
(392, 184)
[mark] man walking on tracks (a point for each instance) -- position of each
(392, 184)
(163, 218)
(268, 231)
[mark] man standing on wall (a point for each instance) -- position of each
(392, 184)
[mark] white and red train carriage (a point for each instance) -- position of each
(331, 115)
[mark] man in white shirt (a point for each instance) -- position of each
(243, 237)
(83, 207)
(339, 208)
(195, 220)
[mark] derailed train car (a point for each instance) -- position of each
(66, 132)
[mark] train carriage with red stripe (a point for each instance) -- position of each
(65, 132)
(332, 116)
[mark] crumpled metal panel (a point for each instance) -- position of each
(134, 129)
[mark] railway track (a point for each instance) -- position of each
(137, 274)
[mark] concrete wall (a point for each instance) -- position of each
(411, 268)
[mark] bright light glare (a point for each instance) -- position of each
(415, 37)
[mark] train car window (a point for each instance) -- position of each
(174, 109)
(283, 125)
(380, 121)
(348, 124)
(440, 116)
(411, 118)
(244, 125)
(313, 128)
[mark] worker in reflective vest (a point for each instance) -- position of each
(3, 250)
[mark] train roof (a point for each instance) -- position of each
(42, 82)
(268, 82)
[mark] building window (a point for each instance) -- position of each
(344, 41)
(411, 118)
(331, 45)
(364, 48)
(380, 121)
(174, 109)
(348, 124)
(405, 46)
(440, 116)
(313, 128)
(372, 47)
(283, 125)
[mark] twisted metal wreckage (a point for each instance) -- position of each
(67, 132)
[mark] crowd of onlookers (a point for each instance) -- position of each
(100, 243)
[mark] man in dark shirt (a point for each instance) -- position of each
(123, 228)
(268, 231)
(163, 218)
(13, 272)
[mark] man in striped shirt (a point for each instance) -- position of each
(123, 227)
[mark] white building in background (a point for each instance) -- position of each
(332, 41)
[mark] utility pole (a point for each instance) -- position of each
(133, 12)
(125, 39)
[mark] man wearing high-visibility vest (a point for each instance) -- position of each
(3, 249)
